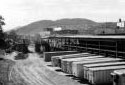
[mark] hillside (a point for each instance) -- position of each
(64, 23)
(83, 25)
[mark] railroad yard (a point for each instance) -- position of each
(35, 71)
(67, 42)
(46, 68)
(62, 60)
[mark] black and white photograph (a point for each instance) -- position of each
(62, 42)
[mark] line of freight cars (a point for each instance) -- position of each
(97, 69)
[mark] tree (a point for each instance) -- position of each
(1, 24)
(13, 34)
(2, 42)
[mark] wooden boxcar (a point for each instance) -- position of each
(101, 75)
(65, 61)
(47, 55)
(87, 66)
(77, 67)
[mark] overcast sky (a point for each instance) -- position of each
(22, 12)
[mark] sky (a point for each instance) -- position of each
(22, 12)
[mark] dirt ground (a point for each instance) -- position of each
(34, 71)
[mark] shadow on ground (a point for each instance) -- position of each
(58, 70)
(83, 81)
(50, 65)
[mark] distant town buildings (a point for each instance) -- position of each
(120, 23)
(60, 31)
